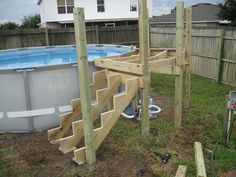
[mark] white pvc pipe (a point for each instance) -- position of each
(127, 116)
(158, 109)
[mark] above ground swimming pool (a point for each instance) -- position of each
(37, 84)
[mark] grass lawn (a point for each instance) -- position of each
(203, 122)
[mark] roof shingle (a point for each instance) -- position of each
(201, 12)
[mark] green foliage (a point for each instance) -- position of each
(206, 114)
(163, 84)
(228, 11)
(191, 167)
(225, 158)
(9, 26)
(30, 21)
(5, 164)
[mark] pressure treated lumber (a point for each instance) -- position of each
(179, 62)
(199, 160)
(109, 118)
(160, 55)
(66, 119)
(143, 43)
(65, 122)
(120, 66)
(188, 49)
(85, 95)
(103, 96)
(182, 171)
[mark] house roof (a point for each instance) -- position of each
(202, 12)
(39, 2)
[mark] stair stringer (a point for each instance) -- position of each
(103, 96)
(66, 119)
(109, 118)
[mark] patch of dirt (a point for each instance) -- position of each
(166, 105)
(35, 154)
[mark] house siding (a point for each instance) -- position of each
(114, 10)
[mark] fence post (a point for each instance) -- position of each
(188, 48)
(81, 45)
(97, 34)
(46, 37)
(179, 62)
(221, 54)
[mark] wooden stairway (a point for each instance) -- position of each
(109, 118)
(66, 119)
(72, 120)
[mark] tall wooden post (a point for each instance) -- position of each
(143, 40)
(179, 62)
(46, 37)
(221, 54)
(188, 49)
(97, 34)
(85, 96)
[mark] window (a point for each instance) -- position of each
(110, 24)
(65, 6)
(101, 5)
(133, 5)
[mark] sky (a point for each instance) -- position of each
(15, 10)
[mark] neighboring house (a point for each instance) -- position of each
(59, 13)
(203, 14)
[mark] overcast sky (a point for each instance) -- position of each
(15, 10)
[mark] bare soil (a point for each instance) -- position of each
(33, 154)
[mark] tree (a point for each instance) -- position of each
(30, 21)
(9, 26)
(173, 10)
(228, 11)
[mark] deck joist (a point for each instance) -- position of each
(160, 61)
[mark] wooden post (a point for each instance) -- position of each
(188, 48)
(143, 40)
(46, 37)
(221, 54)
(226, 116)
(181, 172)
(97, 34)
(149, 51)
(199, 160)
(81, 45)
(148, 28)
(179, 62)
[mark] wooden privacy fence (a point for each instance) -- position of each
(47, 37)
(213, 50)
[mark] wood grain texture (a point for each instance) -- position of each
(85, 95)
(188, 49)
(109, 118)
(182, 171)
(103, 96)
(144, 50)
(199, 160)
(179, 62)
(66, 119)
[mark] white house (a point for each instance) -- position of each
(59, 13)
